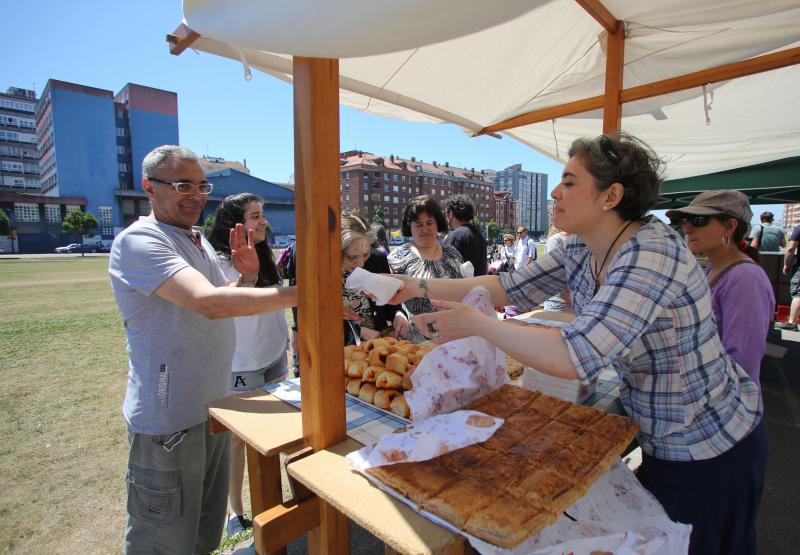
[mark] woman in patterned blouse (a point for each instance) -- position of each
(425, 256)
(643, 308)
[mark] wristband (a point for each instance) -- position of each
(246, 282)
(423, 284)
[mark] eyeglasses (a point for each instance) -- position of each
(186, 188)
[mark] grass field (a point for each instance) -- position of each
(63, 372)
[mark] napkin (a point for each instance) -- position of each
(381, 287)
(458, 372)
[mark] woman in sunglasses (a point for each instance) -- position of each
(715, 224)
(643, 308)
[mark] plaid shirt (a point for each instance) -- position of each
(652, 322)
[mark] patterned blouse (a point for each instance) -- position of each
(652, 322)
(403, 260)
(360, 304)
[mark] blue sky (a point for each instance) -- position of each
(108, 44)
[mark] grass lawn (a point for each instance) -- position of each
(63, 372)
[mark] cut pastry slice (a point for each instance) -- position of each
(503, 470)
(535, 449)
(580, 416)
(618, 428)
(546, 488)
(491, 407)
(417, 480)
(576, 466)
(527, 421)
(504, 437)
(558, 432)
(457, 502)
(594, 445)
(507, 521)
(513, 396)
(549, 406)
(461, 460)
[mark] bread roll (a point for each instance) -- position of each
(367, 392)
(389, 340)
(414, 357)
(397, 363)
(383, 398)
(349, 350)
(377, 356)
(372, 344)
(403, 343)
(389, 380)
(371, 373)
(407, 385)
(356, 369)
(358, 355)
(354, 386)
(399, 406)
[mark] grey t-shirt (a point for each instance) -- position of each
(770, 239)
(179, 360)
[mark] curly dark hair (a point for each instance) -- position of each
(231, 212)
(423, 204)
(624, 159)
(461, 206)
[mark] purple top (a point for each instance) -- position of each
(743, 304)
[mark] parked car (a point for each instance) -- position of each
(77, 247)
(395, 241)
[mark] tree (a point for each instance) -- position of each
(5, 223)
(492, 230)
(208, 225)
(377, 218)
(476, 222)
(80, 222)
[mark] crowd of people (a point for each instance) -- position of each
(204, 318)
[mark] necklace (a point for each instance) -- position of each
(595, 270)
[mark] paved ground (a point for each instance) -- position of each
(778, 529)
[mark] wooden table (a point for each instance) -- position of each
(270, 426)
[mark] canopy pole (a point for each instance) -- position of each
(319, 273)
(615, 62)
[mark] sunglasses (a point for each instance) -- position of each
(696, 220)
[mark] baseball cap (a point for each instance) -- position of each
(711, 203)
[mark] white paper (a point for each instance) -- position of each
(467, 269)
(459, 371)
(434, 436)
(381, 287)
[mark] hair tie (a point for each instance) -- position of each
(742, 245)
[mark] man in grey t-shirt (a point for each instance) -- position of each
(175, 301)
(767, 237)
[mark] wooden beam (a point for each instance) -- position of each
(759, 64)
(264, 474)
(725, 72)
(615, 63)
(276, 527)
(544, 114)
(600, 13)
(319, 271)
(181, 39)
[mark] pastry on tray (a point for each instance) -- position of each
(399, 406)
(549, 406)
(460, 500)
(579, 415)
(545, 487)
(559, 432)
(501, 526)
(418, 480)
(505, 437)
(465, 458)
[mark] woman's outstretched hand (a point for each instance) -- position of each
(243, 252)
(409, 290)
(452, 321)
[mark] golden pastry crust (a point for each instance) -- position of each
(580, 416)
(457, 502)
(561, 433)
(383, 398)
(358, 355)
(491, 407)
(544, 487)
(356, 369)
(535, 448)
(549, 406)
(514, 396)
(527, 421)
(497, 524)
(591, 444)
(389, 380)
(618, 428)
(400, 407)
(505, 437)
(370, 373)
(502, 470)
(367, 392)
(397, 363)
(462, 460)
(418, 480)
(353, 386)
(377, 356)
(575, 466)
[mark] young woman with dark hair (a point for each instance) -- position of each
(261, 340)
(643, 308)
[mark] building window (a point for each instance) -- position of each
(366, 198)
(347, 198)
(71, 207)
(105, 215)
(122, 167)
(395, 177)
(387, 198)
(128, 207)
(387, 187)
(365, 186)
(121, 132)
(52, 213)
(396, 200)
(26, 211)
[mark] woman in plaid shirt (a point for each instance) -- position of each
(642, 306)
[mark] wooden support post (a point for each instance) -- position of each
(615, 60)
(276, 527)
(265, 485)
(319, 270)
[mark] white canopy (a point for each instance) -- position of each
(551, 54)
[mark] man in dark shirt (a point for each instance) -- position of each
(465, 237)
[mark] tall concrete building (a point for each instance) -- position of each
(19, 161)
(530, 191)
